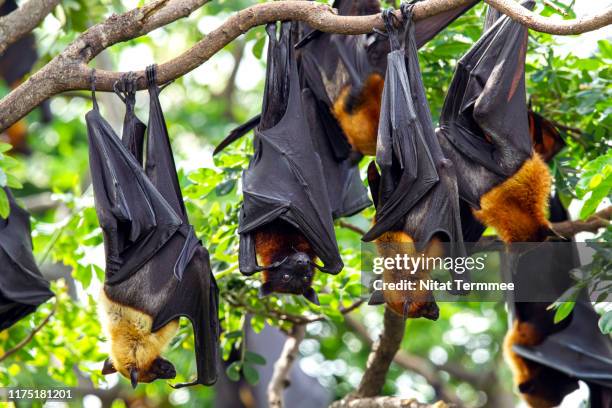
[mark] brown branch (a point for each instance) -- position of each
(24, 19)
(282, 367)
(381, 356)
(69, 70)
(385, 402)
(420, 365)
(351, 227)
(600, 219)
(30, 336)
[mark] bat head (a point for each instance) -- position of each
(294, 275)
(159, 368)
(546, 388)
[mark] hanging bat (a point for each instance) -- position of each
(286, 217)
(416, 199)
(484, 130)
(547, 358)
(15, 63)
(22, 287)
(346, 73)
(156, 269)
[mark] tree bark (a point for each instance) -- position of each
(69, 70)
(282, 367)
(23, 20)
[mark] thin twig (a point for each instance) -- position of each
(282, 367)
(30, 336)
(555, 7)
(351, 227)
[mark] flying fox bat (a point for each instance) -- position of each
(15, 63)
(415, 195)
(156, 269)
(484, 130)
(286, 217)
(346, 76)
(548, 359)
(346, 73)
(22, 287)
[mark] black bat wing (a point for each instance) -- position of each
(425, 30)
(346, 192)
(417, 188)
(580, 350)
(18, 58)
(485, 112)
(196, 296)
(22, 287)
(237, 133)
(135, 219)
(285, 178)
(134, 130)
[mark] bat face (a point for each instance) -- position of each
(294, 275)
(159, 369)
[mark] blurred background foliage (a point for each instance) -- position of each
(568, 82)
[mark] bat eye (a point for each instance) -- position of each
(305, 278)
(286, 277)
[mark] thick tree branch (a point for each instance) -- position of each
(69, 70)
(24, 19)
(282, 367)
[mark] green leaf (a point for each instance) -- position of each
(250, 374)
(254, 358)
(233, 334)
(13, 182)
(258, 47)
(563, 310)
(225, 188)
(5, 147)
(605, 322)
(233, 371)
(5, 208)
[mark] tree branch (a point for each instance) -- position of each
(69, 70)
(385, 402)
(30, 336)
(24, 19)
(600, 219)
(282, 367)
(381, 356)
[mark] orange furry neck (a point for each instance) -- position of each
(360, 125)
(408, 303)
(517, 207)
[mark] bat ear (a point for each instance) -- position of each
(163, 369)
(134, 377)
(311, 296)
(527, 387)
(108, 367)
(265, 289)
(374, 182)
(377, 298)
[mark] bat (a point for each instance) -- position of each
(346, 73)
(346, 76)
(548, 359)
(416, 197)
(286, 220)
(15, 63)
(22, 287)
(156, 269)
(484, 131)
